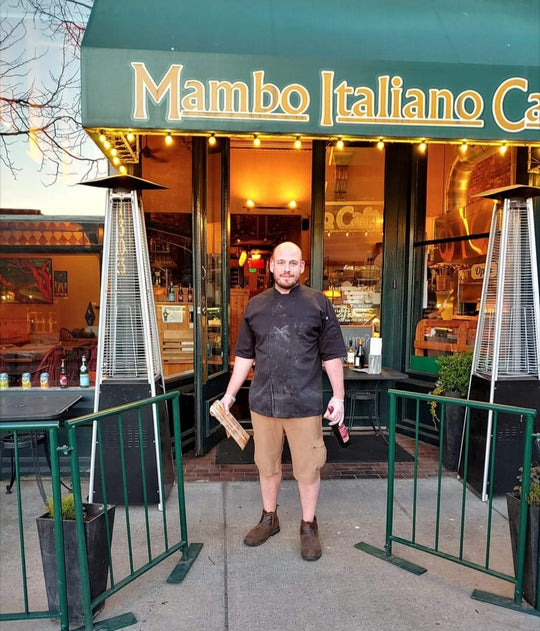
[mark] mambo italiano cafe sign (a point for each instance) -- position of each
(389, 101)
(417, 100)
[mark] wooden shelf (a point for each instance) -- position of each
(175, 336)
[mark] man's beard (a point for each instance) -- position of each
(288, 282)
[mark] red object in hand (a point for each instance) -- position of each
(340, 432)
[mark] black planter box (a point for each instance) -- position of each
(98, 560)
(454, 420)
(530, 570)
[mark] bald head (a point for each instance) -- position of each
(289, 248)
(286, 266)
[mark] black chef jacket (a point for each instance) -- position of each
(289, 336)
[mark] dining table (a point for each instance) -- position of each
(362, 385)
(22, 408)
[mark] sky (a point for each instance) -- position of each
(64, 197)
(28, 188)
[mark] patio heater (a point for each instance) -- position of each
(128, 357)
(506, 355)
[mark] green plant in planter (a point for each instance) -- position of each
(68, 507)
(454, 376)
(95, 517)
(533, 496)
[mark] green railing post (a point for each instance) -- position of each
(525, 486)
(161, 484)
(58, 530)
(106, 503)
(20, 521)
(79, 528)
(144, 483)
(391, 473)
(179, 470)
(536, 437)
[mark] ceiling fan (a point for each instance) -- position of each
(153, 154)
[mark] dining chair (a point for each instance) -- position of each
(50, 363)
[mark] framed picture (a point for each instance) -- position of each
(26, 280)
(60, 284)
(172, 314)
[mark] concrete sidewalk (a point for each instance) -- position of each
(231, 587)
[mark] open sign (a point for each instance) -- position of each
(478, 271)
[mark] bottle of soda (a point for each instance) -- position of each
(62, 379)
(84, 377)
(340, 432)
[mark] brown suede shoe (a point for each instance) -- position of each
(267, 527)
(309, 539)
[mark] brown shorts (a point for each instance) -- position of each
(305, 438)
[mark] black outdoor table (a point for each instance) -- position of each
(363, 386)
(24, 407)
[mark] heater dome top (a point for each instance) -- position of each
(514, 191)
(120, 183)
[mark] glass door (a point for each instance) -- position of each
(211, 201)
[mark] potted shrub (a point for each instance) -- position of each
(96, 549)
(532, 544)
(453, 381)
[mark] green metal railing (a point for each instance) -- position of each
(426, 522)
(164, 531)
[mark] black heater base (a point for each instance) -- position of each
(509, 440)
(114, 394)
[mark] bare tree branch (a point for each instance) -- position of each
(40, 44)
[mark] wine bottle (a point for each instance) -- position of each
(350, 353)
(84, 377)
(340, 432)
(360, 356)
(62, 379)
(171, 292)
(190, 294)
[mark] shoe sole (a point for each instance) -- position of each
(312, 558)
(254, 545)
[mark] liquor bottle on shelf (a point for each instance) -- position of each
(84, 377)
(180, 294)
(62, 379)
(360, 356)
(190, 294)
(171, 292)
(350, 353)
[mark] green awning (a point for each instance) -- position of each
(433, 68)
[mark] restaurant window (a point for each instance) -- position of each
(353, 238)
(453, 253)
(168, 216)
(49, 293)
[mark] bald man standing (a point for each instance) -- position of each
(289, 330)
